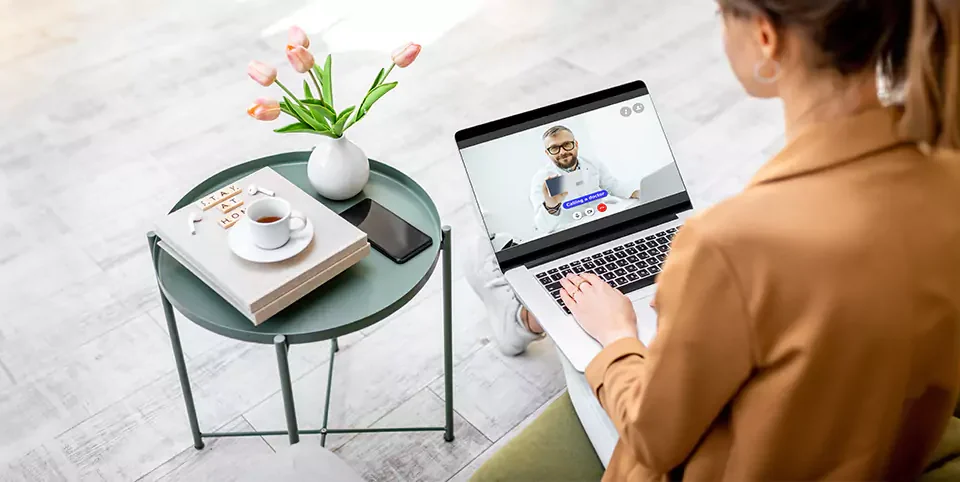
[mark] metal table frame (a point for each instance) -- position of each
(286, 384)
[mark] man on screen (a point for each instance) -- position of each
(562, 149)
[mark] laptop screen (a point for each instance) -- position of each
(572, 167)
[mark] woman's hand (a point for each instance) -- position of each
(603, 312)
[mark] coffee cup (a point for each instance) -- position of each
(271, 222)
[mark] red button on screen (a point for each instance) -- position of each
(602, 208)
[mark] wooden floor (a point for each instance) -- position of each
(113, 109)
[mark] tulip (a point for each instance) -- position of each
(406, 54)
(300, 58)
(262, 73)
(264, 109)
(296, 36)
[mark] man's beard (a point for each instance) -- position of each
(567, 163)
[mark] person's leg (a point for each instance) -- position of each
(596, 423)
(514, 328)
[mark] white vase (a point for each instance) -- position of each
(337, 168)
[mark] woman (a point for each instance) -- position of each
(809, 327)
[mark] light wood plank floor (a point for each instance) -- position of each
(113, 109)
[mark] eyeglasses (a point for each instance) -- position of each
(567, 146)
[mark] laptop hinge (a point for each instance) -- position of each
(600, 238)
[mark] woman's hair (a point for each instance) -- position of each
(914, 43)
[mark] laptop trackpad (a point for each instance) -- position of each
(646, 320)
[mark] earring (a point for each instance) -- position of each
(764, 79)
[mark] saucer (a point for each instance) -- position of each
(241, 243)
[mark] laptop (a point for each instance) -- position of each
(617, 221)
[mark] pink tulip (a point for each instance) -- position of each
(300, 58)
(296, 36)
(262, 73)
(406, 54)
(264, 109)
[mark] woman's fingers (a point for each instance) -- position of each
(593, 279)
(568, 287)
(570, 303)
(567, 299)
(577, 281)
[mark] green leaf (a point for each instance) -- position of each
(318, 78)
(377, 81)
(319, 102)
(322, 108)
(297, 127)
(326, 80)
(308, 118)
(338, 126)
(345, 112)
(285, 106)
(353, 120)
(306, 90)
(320, 116)
(373, 96)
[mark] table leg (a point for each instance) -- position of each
(286, 387)
(447, 334)
(182, 371)
(177, 352)
(334, 347)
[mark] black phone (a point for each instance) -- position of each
(387, 232)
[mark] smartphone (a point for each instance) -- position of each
(388, 233)
(564, 183)
(555, 185)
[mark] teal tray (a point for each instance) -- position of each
(362, 295)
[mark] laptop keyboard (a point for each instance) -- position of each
(627, 267)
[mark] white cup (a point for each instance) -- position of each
(280, 221)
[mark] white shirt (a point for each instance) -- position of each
(596, 177)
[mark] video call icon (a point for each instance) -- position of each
(625, 111)
(589, 212)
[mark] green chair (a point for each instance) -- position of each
(555, 448)
(945, 464)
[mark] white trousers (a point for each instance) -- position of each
(486, 279)
(596, 423)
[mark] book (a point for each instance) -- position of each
(259, 290)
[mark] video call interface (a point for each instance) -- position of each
(566, 173)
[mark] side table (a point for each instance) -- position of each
(359, 297)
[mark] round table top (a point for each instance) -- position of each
(360, 296)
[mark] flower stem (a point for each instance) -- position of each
(285, 89)
(317, 84)
(387, 74)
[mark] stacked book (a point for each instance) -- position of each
(196, 236)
